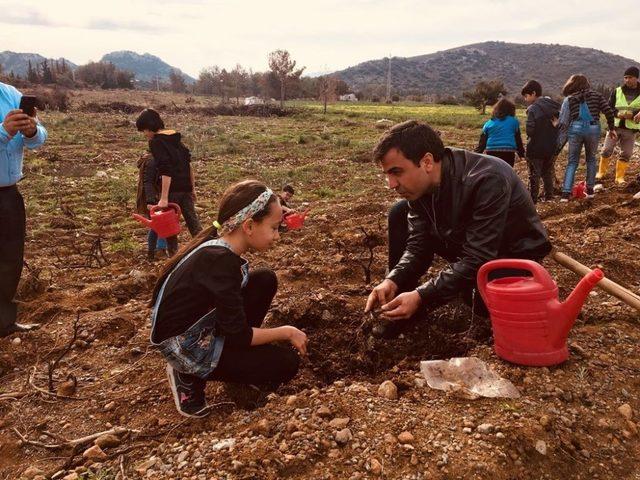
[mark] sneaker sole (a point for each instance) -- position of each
(176, 399)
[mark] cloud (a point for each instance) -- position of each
(29, 17)
(109, 24)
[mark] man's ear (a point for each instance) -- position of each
(426, 162)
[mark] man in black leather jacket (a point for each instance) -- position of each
(465, 207)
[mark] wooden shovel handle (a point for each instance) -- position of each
(609, 286)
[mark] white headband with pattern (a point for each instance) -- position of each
(247, 212)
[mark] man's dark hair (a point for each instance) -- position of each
(414, 139)
(532, 86)
(149, 119)
(503, 108)
(288, 188)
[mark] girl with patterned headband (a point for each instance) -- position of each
(208, 307)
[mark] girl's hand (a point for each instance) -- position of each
(298, 339)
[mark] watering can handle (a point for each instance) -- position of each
(540, 275)
(175, 206)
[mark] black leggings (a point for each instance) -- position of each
(509, 157)
(262, 364)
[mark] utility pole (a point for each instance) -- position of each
(389, 80)
(157, 83)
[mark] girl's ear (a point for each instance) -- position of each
(247, 226)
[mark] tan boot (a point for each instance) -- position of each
(621, 168)
(604, 166)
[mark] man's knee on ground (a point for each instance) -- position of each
(398, 213)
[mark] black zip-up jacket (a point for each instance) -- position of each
(481, 211)
(543, 136)
(151, 181)
(210, 278)
(173, 159)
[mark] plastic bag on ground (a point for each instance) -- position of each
(468, 377)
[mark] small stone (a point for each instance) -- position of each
(343, 436)
(626, 411)
(388, 390)
(327, 316)
(141, 468)
(32, 472)
(406, 437)
(484, 428)
(541, 447)
(263, 427)
(466, 430)
(545, 421)
(71, 476)
(500, 435)
(339, 422)
(323, 412)
(94, 453)
(101, 174)
(16, 341)
(109, 406)
(291, 400)
(375, 467)
(107, 441)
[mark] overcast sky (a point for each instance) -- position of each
(322, 35)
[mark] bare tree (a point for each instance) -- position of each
(327, 87)
(177, 82)
(283, 67)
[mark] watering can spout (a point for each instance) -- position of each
(144, 221)
(571, 307)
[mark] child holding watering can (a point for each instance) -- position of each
(208, 307)
(173, 161)
(147, 196)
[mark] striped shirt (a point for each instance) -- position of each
(597, 104)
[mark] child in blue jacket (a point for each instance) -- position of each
(501, 134)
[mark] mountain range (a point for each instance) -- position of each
(450, 72)
(146, 67)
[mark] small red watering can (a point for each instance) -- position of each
(530, 326)
(295, 221)
(579, 190)
(166, 223)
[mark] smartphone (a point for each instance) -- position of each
(28, 105)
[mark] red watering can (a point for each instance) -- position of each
(579, 190)
(166, 223)
(530, 326)
(295, 221)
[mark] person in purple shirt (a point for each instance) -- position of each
(17, 131)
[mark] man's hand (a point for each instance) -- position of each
(32, 129)
(402, 307)
(16, 121)
(381, 294)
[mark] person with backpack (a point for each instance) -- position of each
(625, 101)
(208, 307)
(542, 133)
(173, 161)
(580, 125)
(501, 136)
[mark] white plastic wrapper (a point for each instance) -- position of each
(468, 377)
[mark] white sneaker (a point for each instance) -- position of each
(598, 187)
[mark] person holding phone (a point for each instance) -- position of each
(17, 131)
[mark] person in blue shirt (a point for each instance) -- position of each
(501, 135)
(17, 131)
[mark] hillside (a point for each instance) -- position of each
(18, 63)
(146, 67)
(455, 70)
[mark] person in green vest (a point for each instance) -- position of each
(625, 100)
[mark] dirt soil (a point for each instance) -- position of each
(578, 420)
